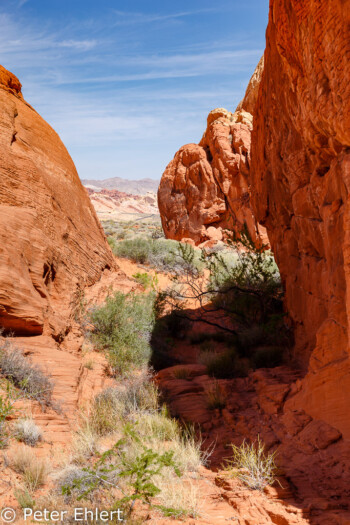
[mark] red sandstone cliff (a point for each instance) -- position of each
(300, 177)
(205, 188)
(51, 243)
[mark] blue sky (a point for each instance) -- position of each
(126, 83)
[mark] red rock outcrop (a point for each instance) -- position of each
(51, 243)
(301, 179)
(205, 187)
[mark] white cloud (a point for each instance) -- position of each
(130, 18)
(80, 45)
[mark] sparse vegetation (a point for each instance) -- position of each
(33, 469)
(89, 364)
(252, 465)
(25, 499)
(146, 280)
(182, 373)
(114, 467)
(7, 399)
(29, 378)
(162, 254)
(216, 398)
(239, 293)
(28, 432)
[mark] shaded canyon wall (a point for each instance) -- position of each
(300, 180)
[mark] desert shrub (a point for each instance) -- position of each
(137, 395)
(112, 243)
(207, 346)
(122, 327)
(28, 432)
(268, 356)
(74, 482)
(252, 465)
(226, 365)
(23, 374)
(114, 466)
(34, 470)
(243, 298)
(164, 254)
(216, 398)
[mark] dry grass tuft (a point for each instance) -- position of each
(33, 469)
(252, 465)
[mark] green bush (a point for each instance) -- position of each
(122, 327)
(164, 254)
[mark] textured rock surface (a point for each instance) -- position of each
(301, 179)
(251, 94)
(51, 243)
(206, 185)
(312, 456)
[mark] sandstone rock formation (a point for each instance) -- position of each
(51, 243)
(205, 187)
(301, 179)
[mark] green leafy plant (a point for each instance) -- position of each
(146, 280)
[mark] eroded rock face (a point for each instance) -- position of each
(301, 179)
(205, 187)
(51, 243)
(251, 95)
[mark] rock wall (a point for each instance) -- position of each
(300, 177)
(205, 188)
(51, 243)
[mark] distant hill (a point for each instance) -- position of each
(135, 187)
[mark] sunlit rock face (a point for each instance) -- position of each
(51, 243)
(205, 188)
(300, 179)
